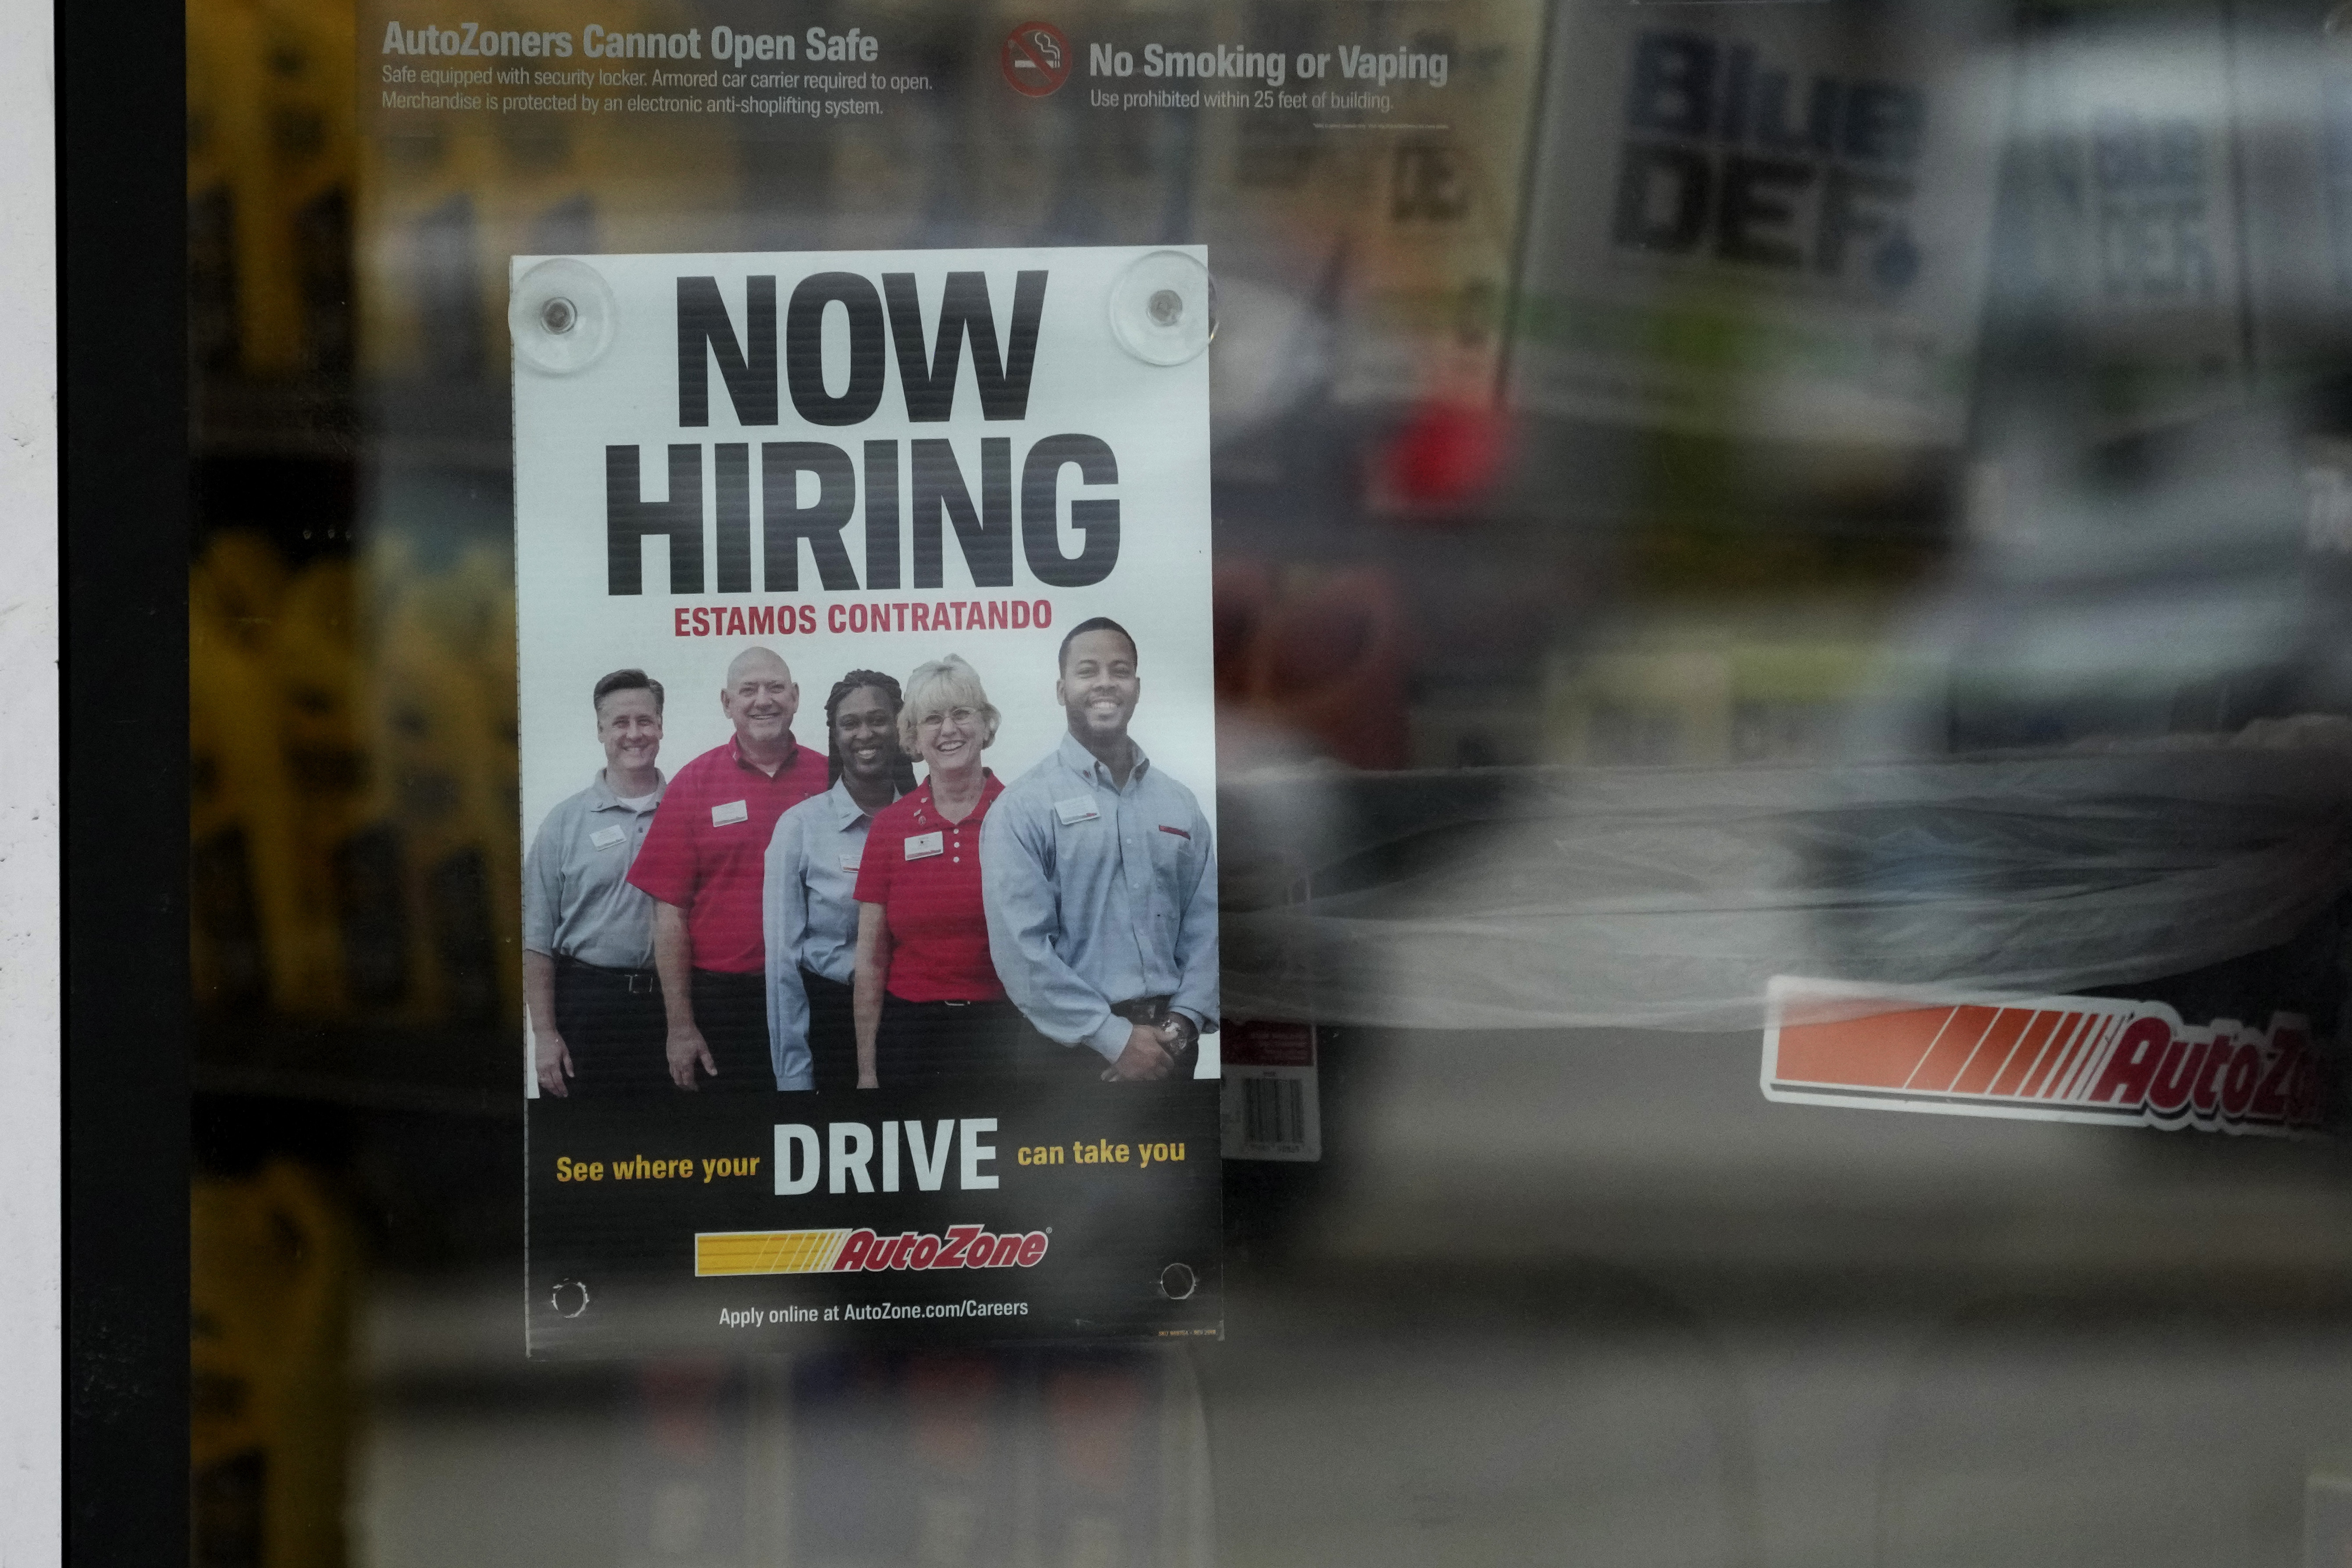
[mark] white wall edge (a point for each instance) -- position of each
(31, 971)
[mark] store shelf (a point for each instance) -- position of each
(468, 1071)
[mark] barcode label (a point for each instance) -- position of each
(1271, 1113)
(1274, 1110)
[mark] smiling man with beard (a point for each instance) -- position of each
(703, 862)
(1101, 885)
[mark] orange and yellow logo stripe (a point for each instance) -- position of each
(766, 1251)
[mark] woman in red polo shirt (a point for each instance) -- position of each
(928, 1005)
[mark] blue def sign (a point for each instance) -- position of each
(1736, 157)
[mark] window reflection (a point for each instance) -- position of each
(1858, 491)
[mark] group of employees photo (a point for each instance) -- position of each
(769, 917)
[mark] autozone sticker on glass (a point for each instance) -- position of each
(868, 797)
(2052, 1059)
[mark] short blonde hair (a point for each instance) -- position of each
(938, 686)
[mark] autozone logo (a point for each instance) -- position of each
(2058, 1058)
(844, 1252)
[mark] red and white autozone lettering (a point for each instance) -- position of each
(2070, 1058)
(963, 1246)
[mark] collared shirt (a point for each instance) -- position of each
(924, 871)
(1099, 894)
(576, 897)
(707, 852)
(811, 921)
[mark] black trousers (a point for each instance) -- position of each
(947, 1042)
(612, 1022)
(831, 1032)
(732, 1011)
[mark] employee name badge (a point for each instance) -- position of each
(752, 473)
(605, 837)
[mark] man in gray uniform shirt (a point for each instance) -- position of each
(1100, 884)
(587, 935)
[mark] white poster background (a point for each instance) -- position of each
(571, 631)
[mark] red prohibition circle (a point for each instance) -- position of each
(1036, 59)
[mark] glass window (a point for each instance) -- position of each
(1778, 609)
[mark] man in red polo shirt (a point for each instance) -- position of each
(703, 862)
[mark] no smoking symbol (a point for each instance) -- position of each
(1036, 59)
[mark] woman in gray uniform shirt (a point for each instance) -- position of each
(809, 916)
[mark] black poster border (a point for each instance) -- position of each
(1096, 1217)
